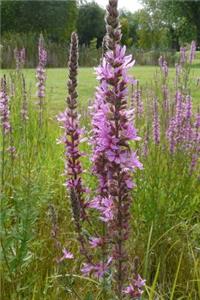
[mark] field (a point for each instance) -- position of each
(57, 79)
(36, 213)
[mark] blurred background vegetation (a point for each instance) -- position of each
(160, 27)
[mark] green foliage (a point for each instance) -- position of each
(90, 23)
(180, 17)
(55, 18)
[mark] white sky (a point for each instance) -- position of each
(131, 5)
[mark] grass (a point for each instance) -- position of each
(165, 214)
(57, 78)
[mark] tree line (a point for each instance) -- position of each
(160, 24)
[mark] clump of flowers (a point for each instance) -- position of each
(41, 76)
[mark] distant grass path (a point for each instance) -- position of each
(57, 83)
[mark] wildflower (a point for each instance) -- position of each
(156, 126)
(24, 110)
(20, 56)
(41, 76)
(183, 55)
(134, 290)
(163, 66)
(95, 242)
(66, 255)
(98, 270)
(4, 108)
(113, 160)
(71, 138)
(188, 115)
(192, 52)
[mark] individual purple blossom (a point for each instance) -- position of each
(4, 108)
(98, 269)
(134, 290)
(66, 255)
(41, 76)
(192, 51)
(96, 242)
(156, 125)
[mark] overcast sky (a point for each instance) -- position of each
(131, 5)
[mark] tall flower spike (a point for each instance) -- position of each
(192, 52)
(156, 125)
(4, 108)
(24, 110)
(113, 36)
(71, 138)
(113, 160)
(41, 76)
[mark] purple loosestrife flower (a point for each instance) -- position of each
(196, 143)
(183, 57)
(66, 255)
(113, 160)
(179, 117)
(41, 76)
(156, 125)
(134, 290)
(71, 138)
(188, 115)
(4, 108)
(98, 270)
(171, 135)
(24, 110)
(20, 57)
(192, 52)
(138, 101)
(165, 98)
(163, 66)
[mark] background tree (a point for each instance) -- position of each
(90, 23)
(56, 18)
(180, 17)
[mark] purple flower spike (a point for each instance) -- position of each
(192, 52)
(156, 125)
(163, 66)
(41, 76)
(4, 108)
(183, 57)
(20, 57)
(114, 162)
